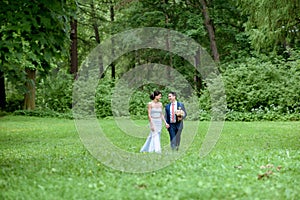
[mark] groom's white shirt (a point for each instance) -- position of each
(175, 108)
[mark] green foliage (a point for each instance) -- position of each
(33, 35)
(229, 27)
(103, 98)
(256, 89)
(256, 84)
(261, 115)
(259, 89)
(33, 32)
(43, 113)
(138, 103)
(3, 113)
(141, 97)
(137, 100)
(54, 92)
(15, 103)
(272, 24)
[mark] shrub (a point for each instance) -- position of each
(44, 113)
(103, 97)
(55, 92)
(257, 84)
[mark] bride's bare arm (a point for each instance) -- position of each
(149, 116)
(163, 118)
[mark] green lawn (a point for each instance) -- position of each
(44, 158)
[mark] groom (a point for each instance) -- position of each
(174, 120)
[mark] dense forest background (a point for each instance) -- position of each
(255, 45)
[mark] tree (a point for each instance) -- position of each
(73, 49)
(211, 30)
(33, 33)
(2, 91)
(29, 97)
(272, 24)
(112, 19)
(94, 25)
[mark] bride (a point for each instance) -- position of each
(155, 117)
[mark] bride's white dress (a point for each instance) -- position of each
(152, 143)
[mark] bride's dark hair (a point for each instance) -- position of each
(154, 94)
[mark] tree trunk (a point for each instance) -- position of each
(168, 42)
(29, 99)
(95, 24)
(210, 29)
(97, 37)
(113, 66)
(197, 76)
(73, 50)
(2, 91)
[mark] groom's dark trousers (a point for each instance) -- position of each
(175, 129)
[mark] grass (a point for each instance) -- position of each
(44, 158)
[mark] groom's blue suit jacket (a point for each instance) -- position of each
(168, 112)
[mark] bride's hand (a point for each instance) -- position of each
(152, 128)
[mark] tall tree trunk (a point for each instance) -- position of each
(2, 91)
(197, 77)
(113, 66)
(95, 24)
(168, 41)
(97, 37)
(210, 29)
(29, 99)
(73, 50)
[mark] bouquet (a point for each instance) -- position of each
(179, 113)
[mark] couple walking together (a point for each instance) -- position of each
(173, 119)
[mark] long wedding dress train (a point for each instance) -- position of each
(152, 143)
